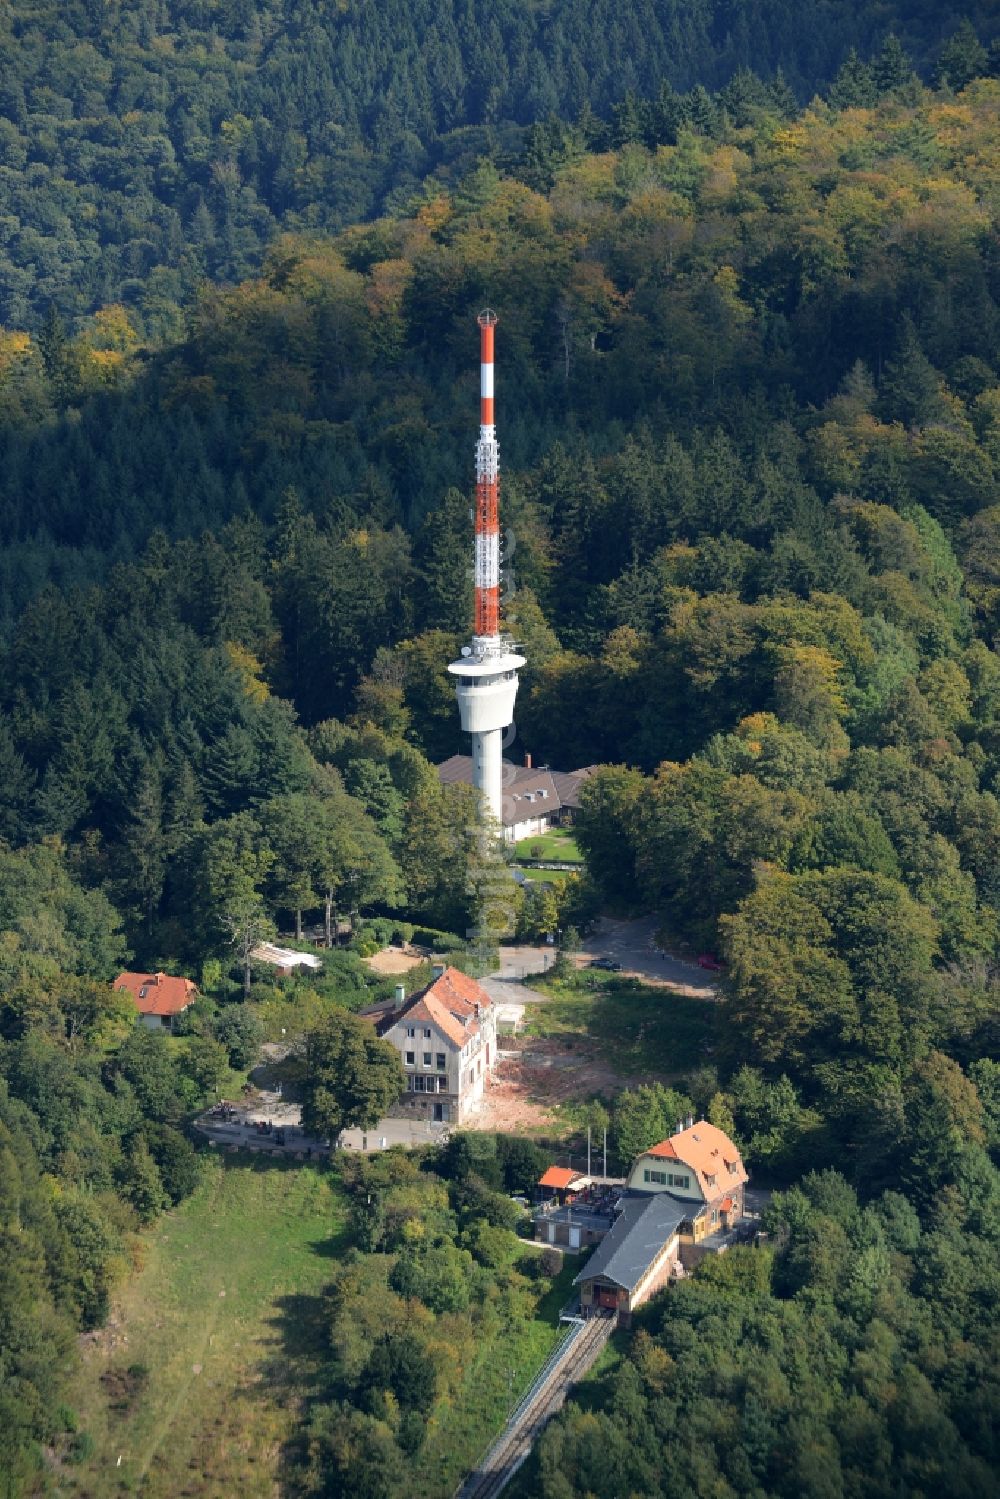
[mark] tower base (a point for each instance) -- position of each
(487, 771)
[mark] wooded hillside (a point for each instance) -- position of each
(144, 145)
(749, 398)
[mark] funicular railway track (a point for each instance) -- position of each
(568, 1363)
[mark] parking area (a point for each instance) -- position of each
(630, 944)
(266, 1122)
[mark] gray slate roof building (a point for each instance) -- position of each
(644, 1224)
(528, 791)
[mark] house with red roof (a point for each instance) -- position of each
(701, 1166)
(159, 997)
(446, 1038)
(683, 1199)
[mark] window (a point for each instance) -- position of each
(442, 1061)
(715, 1215)
(427, 1034)
(418, 1084)
(658, 1178)
(410, 1032)
(427, 1059)
(409, 1059)
(673, 1180)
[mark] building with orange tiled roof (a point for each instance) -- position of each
(446, 1038)
(159, 997)
(683, 1199)
(699, 1164)
(562, 1179)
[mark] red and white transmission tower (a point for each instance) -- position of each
(487, 492)
(487, 673)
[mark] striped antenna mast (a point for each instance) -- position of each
(486, 674)
(487, 492)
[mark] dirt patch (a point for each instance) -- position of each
(535, 1075)
(393, 960)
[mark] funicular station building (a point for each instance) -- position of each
(683, 1198)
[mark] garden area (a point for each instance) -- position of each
(557, 846)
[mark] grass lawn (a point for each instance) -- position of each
(222, 1313)
(556, 844)
(640, 1028)
(211, 1353)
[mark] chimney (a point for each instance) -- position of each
(400, 996)
(689, 1122)
(437, 970)
(680, 1126)
(527, 760)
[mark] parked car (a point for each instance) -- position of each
(607, 964)
(711, 962)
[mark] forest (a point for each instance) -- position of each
(145, 146)
(749, 399)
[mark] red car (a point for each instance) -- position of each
(709, 961)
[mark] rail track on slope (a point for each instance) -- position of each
(567, 1364)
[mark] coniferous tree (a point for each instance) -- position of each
(963, 57)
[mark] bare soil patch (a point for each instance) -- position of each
(393, 960)
(537, 1075)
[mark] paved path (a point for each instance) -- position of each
(629, 943)
(242, 1131)
(507, 989)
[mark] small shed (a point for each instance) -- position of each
(510, 1017)
(562, 1184)
(285, 960)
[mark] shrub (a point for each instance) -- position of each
(551, 1260)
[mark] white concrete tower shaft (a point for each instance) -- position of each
(486, 675)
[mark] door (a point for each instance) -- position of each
(438, 1113)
